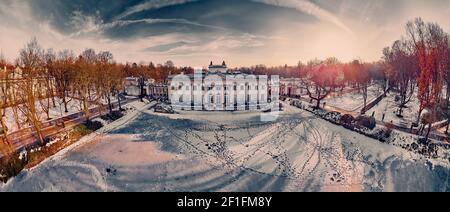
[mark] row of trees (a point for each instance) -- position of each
(322, 77)
(421, 60)
(159, 73)
(42, 79)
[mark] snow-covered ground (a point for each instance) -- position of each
(208, 151)
(353, 100)
(389, 107)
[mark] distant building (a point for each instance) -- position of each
(10, 72)
(158, 91)
(218, 68)
(133, 88)
(292, 87)
(13, 78)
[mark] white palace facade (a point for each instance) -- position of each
(219, 89)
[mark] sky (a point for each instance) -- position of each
(195, 32)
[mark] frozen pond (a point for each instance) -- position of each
(233, 152)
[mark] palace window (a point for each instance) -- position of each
(218, 99)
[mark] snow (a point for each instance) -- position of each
(353, 100)
(209, 151)
(389, 107)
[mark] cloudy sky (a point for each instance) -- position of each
(194, 32)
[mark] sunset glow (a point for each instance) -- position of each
(193, 32)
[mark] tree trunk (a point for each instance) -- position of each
(39, 133)
(420, 132)
(47, 110)
(400, 111)
(65, 104)
(418, 117)
(428, 132)
(120, 103)
(9, 146)
(52, 94)
(86, 109)
(142, 93)
(447, 97)
(365, 103)
(108, 97)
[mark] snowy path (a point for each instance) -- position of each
(231, 152)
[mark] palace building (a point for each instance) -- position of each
(220, 89)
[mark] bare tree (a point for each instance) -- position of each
(362, 78)
(106, 69)
(6, 147)
(45, 83)
(383, 67)
(84, 80)
(403, 70)
(62, 73)
(431, 45)
(30, 61)
(321, 79)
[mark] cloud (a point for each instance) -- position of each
(213, 43)
(121, 23)
(166, 47)
(243, 32)
(83, 24)
(309, 8)
(151, 4)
